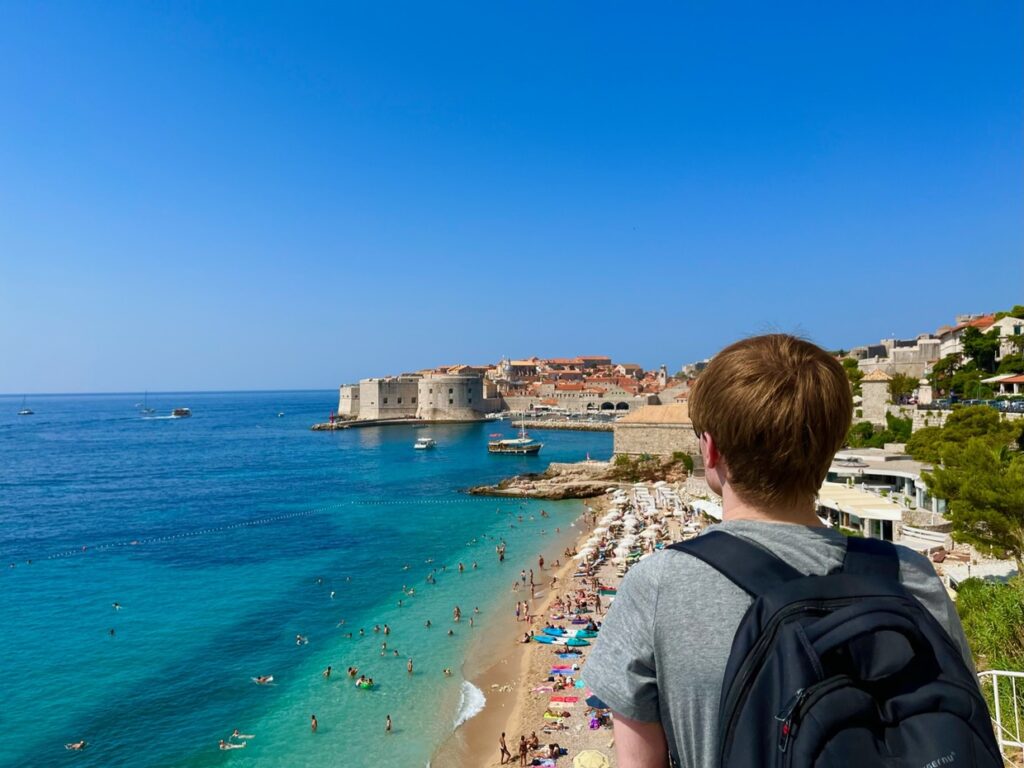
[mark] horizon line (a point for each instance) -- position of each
(163, 392)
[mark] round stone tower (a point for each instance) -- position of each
(450, 397)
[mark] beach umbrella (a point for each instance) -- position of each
(591, 758)
(600, 529)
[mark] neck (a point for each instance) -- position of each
(735, 507)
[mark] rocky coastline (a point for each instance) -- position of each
(583, 479)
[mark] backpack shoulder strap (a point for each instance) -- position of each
(748, 566)
(872, 557)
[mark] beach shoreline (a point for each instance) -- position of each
(504, 678)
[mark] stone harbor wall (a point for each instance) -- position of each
(654, 439)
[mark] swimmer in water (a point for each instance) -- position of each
(447, 672)
(78, 746)
(313, 723)
(116, 606)
(332, 594)
(427, 624)
(327, 673)
(300, 640)
(226, 745)
(236, 735)
(263, 679)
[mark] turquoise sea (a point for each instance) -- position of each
(224, 536)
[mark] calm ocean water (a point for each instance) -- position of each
(224, 536)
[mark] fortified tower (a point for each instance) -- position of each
(446, 396)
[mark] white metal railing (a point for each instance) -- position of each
(1007, 703)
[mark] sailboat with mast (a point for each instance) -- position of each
(145, 410)
(522, 445)
(25, 410)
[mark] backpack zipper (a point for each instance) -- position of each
(741, 683)
(790, 716)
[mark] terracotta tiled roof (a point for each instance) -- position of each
(676, 413)
(569, 386)
(877, 375)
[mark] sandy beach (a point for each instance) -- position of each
(509, 680)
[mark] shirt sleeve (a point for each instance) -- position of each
(621, 668)
(918, 575)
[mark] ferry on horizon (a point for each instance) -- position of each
(522, 445)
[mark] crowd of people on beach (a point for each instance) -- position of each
(564, 620)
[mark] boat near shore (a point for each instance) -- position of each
(520, 446)
(424, 443)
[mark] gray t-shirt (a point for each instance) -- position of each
(663, 648)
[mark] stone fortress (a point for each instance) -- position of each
(429, 397)
(580, 386)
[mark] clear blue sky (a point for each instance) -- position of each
(204, 195)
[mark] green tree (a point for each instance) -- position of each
(933, 444)
(1011, 363)
(980, 476)
(941, 376)
(899, 429)
(982, 348)
(966, 382)
(901, 386)
(853, 373)
(985, 490)
(864, 434)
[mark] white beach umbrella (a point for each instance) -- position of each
(600, 529)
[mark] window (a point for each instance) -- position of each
(385, 401)
(450, 390)
(450, 401)
(399, 401)
(414, 400)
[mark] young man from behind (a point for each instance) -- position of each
(770, 413)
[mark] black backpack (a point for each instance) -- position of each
(846, 669)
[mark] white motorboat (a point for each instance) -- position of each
(424, 443)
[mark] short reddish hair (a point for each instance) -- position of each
(778, 408)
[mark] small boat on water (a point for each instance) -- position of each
(424, 443)
(25, 410)
(181, 413)
(144, 409)
(522, 445)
